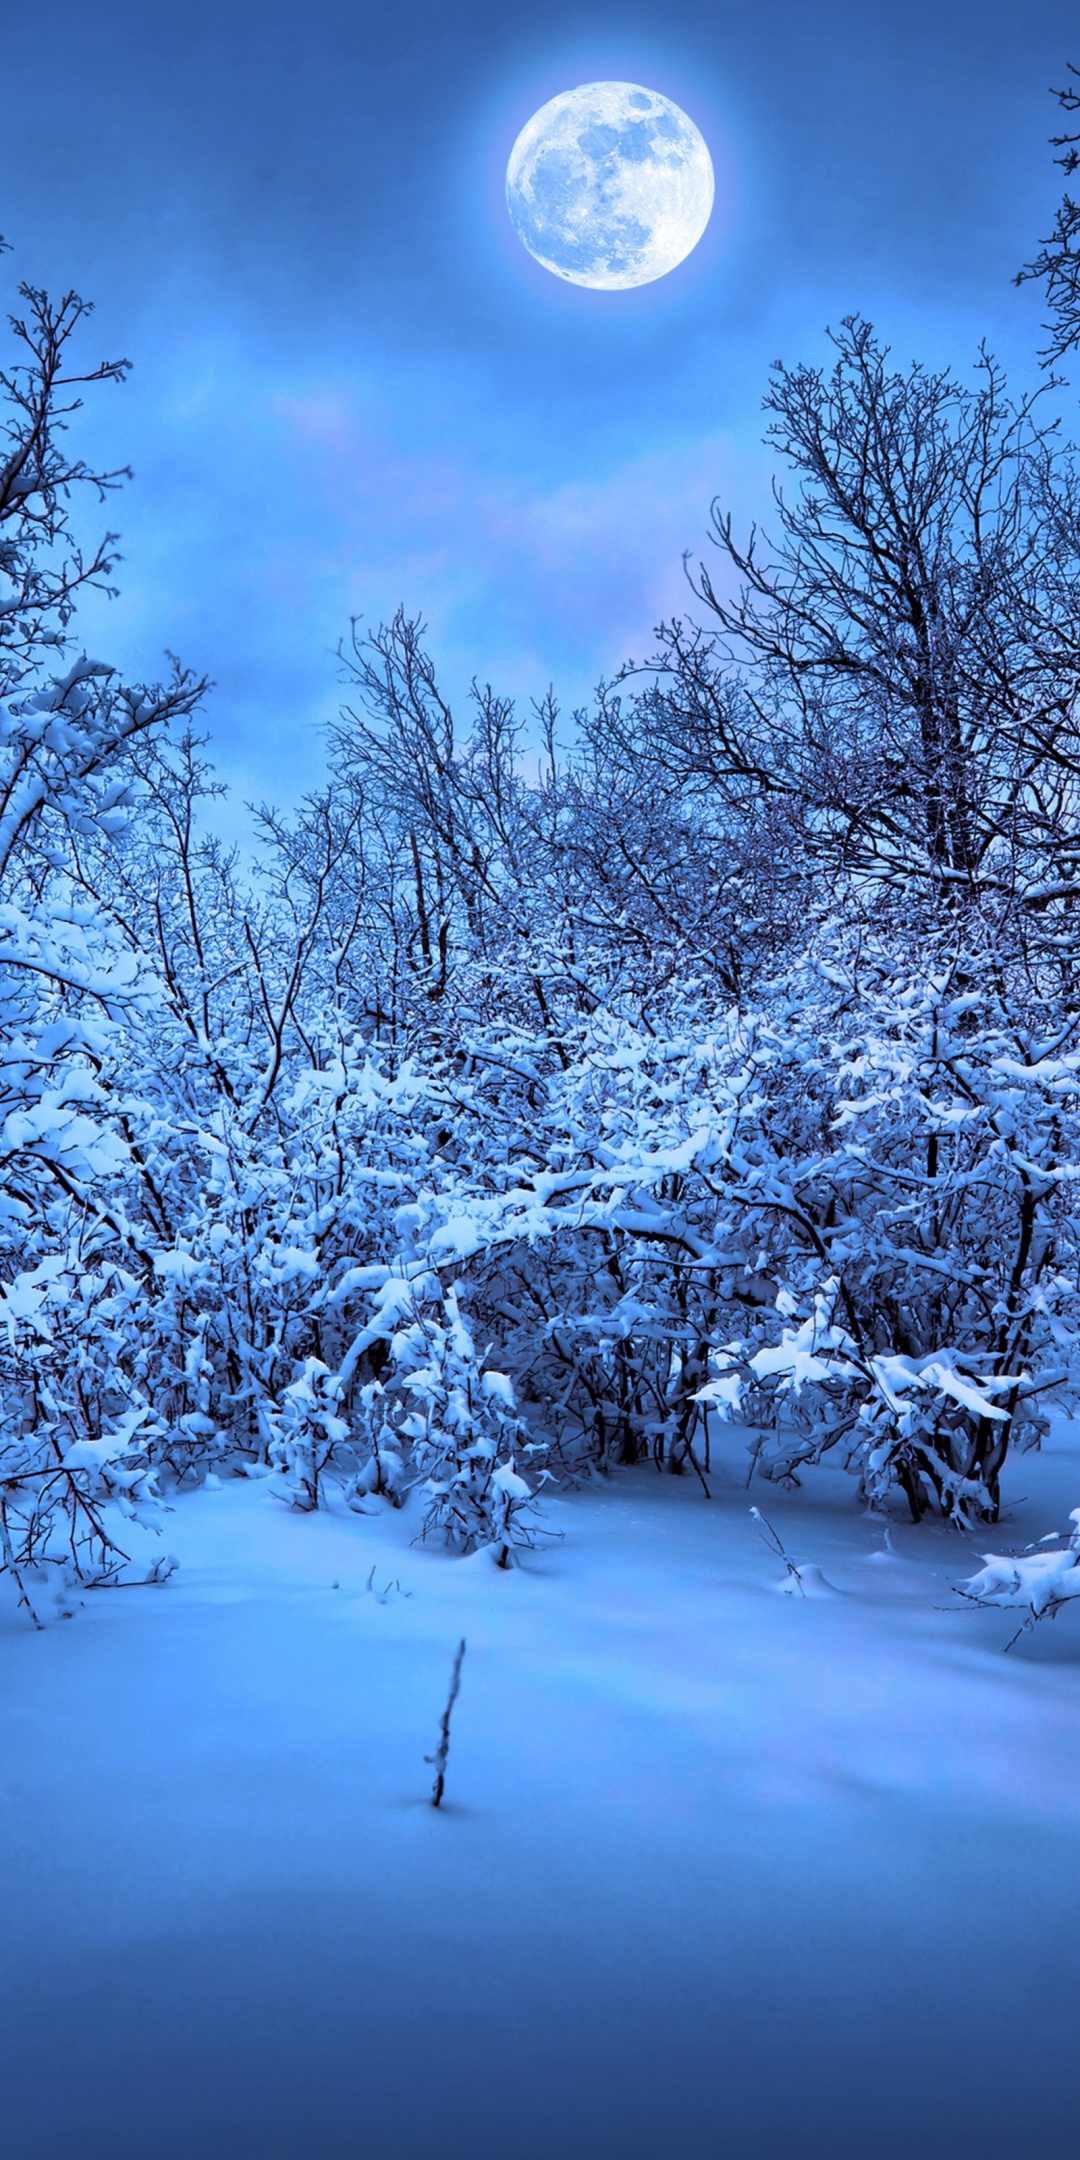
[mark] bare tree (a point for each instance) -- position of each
(901, 668)
(1057, 264)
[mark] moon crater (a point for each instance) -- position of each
(609, 185)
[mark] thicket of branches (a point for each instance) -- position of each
(522, 1115)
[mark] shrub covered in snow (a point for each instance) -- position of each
(1036, 1582)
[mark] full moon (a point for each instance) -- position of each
(609, 185)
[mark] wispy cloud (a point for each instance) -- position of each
(275, 507)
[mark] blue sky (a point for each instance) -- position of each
(352, 385)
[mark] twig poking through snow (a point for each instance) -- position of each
(772, 1538)
(443, 1749)
(381, 1597)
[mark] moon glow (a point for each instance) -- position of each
(609, 185)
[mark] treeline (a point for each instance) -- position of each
(527, 1113)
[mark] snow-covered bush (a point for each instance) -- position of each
(911, 1186)
(462, 1431)
(381, 1475)
(1036, 1582)
(77, 1434)
(311, 1434)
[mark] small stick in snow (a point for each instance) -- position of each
(772, 1538)
(443, 1749)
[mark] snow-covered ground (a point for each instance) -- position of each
(722, 1871)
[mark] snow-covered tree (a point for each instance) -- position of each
(74, 1413)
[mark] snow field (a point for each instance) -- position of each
(720, 1870)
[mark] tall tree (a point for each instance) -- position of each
(902, 664)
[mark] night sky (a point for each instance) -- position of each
(352, 385)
